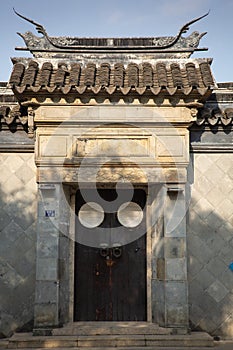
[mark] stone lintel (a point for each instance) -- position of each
(118, 113)
(135, 175)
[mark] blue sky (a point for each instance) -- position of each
(119, 18)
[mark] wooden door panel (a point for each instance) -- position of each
(111, 288)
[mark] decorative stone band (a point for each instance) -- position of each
(214, 116)
(171, 76)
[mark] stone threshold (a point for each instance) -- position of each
(105, 341)
(112, 328)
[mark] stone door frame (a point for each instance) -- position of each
(167, 295)
(161, 153)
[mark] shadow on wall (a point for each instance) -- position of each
(210, 245)
(18, 241)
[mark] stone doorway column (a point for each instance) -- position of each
(52, 264)
(47, 279)
(169, 278)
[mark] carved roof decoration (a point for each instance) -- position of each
(163, 47)
(17, 117)
(15, 114)
(169, 76)
(11, 114)
(215, 115)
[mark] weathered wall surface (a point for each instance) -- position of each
(210, 243)
(18, 206)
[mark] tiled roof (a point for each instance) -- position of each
(168, 75)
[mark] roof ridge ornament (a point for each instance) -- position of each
(184, 46)
(41, 30)
(184, 29)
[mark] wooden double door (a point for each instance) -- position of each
(110, 277)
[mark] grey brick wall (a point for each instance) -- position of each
(210, 244)
(18, 206)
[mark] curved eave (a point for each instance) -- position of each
(166, 77)
(96, 90)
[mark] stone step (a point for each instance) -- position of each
(3, 344)
(131, 348)
(134, 348)
(27, 341)
(110, 328)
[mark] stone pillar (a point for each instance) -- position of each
(175, 256)
(157, 199)
(46, 312)
(170, 285)
(66, 253)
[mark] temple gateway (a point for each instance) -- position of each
(116, 190)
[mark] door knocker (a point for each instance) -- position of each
(107, 252)
(117, 252)
(104, 252)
